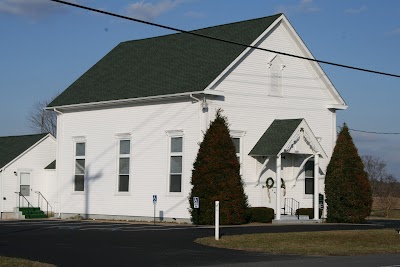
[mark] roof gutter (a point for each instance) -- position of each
(134, 100)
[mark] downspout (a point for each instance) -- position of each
(58, 161)
(1, 193)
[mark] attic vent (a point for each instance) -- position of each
(275, 77)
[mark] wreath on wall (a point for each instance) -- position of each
(269, 183)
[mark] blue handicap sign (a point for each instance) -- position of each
(196, 202)
(154, 199)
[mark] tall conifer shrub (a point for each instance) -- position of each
(216, 177)
(348, 192)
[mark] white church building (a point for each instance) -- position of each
(129, 128)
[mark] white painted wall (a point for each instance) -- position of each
(34, 162)
(147, 125)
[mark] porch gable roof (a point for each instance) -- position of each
(282, 136)
(275, 137)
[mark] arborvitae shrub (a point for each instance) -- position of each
(216, 177)
(260, 214)
(348, 191)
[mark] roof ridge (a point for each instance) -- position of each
(200, 29)
(237, 22)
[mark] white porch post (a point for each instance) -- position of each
(316, 186)
(278, 186)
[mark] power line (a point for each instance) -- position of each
(222, 40)
(371, 132)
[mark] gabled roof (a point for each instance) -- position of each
(288, 136)
(275, 137)
(13, 146)
(171, 64)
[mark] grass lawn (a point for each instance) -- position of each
(354, 242)
(12, 262)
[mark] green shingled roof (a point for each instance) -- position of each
(13, 146)
(275, 137)
(171, 64)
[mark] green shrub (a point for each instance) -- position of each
(308, 211)
(216, 177)
(260, 214)
(348, 191)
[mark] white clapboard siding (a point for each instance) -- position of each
(147, 125)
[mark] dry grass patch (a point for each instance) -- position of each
(13, 262)
(354, 242)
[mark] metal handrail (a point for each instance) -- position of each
(48, 204)
(19, 202)
(292, 205)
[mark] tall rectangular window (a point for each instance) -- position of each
(175, 170)
(236, 142)
(80, 151)
(124, 165)
(309, 178)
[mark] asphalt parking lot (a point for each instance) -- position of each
(96, 243)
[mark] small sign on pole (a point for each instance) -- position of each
(196, 202)
(154, 204)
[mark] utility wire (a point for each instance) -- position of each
(222, 40)
(370, 132)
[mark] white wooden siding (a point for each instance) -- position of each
(149, 157)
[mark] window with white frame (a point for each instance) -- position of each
(124, 157)
(80, 152)
(236, 142)
(276, 67)
(176, 160)
(309, 178)
(237, 138)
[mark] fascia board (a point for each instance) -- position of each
(29, 149)
(133, 100)
(304, 124)
(335, 106)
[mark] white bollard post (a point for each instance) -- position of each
(216, 220)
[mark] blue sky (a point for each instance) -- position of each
(44, 47)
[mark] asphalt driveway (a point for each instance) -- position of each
(93, 243)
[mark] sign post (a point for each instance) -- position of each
(216, 220)
(196, 205)
(154, 204)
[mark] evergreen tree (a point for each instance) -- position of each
(216, 177)
(348, 192)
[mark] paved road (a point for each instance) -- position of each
(92, 243)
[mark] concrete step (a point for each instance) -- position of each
(294, 217)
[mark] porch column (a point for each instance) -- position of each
(316, 186)
(278, 187)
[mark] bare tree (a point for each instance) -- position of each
(42, 120)
(376, 170)
(388, 193)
